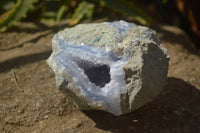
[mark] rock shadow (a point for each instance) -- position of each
(176, 109)
(22, 60)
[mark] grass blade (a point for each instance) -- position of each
(15, 14)
(85, 9)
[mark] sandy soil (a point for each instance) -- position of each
(30, 102)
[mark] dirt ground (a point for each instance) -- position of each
(30, 102)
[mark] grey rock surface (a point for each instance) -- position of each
(112, 66)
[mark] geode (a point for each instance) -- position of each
(112, 66)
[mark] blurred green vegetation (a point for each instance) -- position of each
(181, 13)
(13, 11)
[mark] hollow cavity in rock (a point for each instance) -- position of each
(99, 74)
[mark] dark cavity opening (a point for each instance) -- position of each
(99, 74)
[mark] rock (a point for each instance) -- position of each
(112, 66)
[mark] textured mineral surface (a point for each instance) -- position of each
(112, 66)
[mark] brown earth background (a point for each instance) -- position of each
(30, 102)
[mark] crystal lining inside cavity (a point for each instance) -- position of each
(99, 74)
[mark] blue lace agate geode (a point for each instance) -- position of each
(111, 66)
